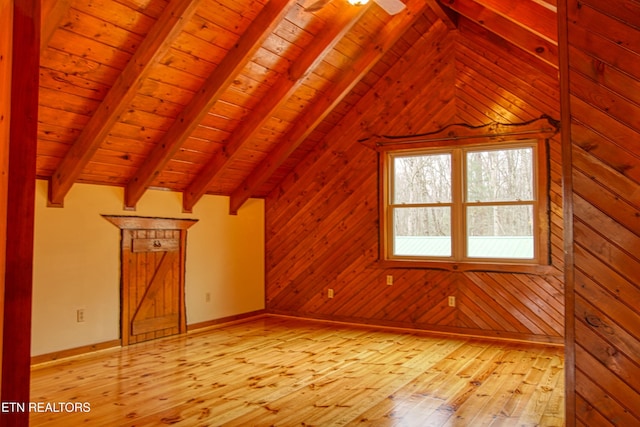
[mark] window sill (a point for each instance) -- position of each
(472, 266)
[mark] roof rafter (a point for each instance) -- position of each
(445, 14)
(528, 14)
(281, 91)
(157, 42)
(213, 88)
(537, 45)
(322, 107)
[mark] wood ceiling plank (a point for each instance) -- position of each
(151, 50)
(206, 97)
(514, 33)
(627, 11)
(283, 89)
(83, 69)
(320, 109)
(52, 11)
(134, 18)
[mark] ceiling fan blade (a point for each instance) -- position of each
(392, 7)
(313, 6)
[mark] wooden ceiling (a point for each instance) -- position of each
(224, 97)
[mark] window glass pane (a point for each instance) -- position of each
(422, 179)
(422, 231)
(500, 232)
(500, 175)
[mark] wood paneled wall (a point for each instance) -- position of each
(604, 100)
(322, 220)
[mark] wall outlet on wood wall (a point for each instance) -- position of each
(452, 301)
(330, 293)
(389, 280)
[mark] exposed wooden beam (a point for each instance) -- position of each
(6, 39)
(528, 14)
(53, 11)
(174, 17)
(568, 198)
(213, 88)
(20, 205)
(520, 36)
(445, 14)
(322, 107)
(281, 91)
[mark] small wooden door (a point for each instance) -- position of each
(152, 285)
(152, 290)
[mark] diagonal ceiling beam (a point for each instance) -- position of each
(281, 91)
(445, 14)
(322, 107)
(537, 45)
(529, 14)
(53, 11)
(151, 50)
(213, 88)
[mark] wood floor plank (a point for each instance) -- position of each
(285, 371)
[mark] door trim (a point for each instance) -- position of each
(129, 223)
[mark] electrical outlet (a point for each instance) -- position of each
(330, 293)
(207, 297)
(389, 280)
(80, 315)
(452, 301)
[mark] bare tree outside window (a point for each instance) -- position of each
(423, 196)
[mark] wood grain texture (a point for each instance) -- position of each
(316, 113)
(208, 95)
(18, 201)
(151, 119)
(331, 201)
(603, 91)
(154, 46)
(6, 42)
(284, 371)
(153, 253)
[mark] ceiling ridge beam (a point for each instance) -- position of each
(154, 46)
(322, 107)
(520, 36)
(215, 85)
(281, 91)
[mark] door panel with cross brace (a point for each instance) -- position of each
(151, 284)
(152, 292)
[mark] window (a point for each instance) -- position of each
(466, 204)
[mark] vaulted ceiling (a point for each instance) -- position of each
(227, 96)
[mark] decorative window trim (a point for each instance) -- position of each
(486, 135)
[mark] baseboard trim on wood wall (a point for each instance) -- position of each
(77, 351)
(196, 327)
(448, 331)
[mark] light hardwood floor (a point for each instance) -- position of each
(288, 372)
